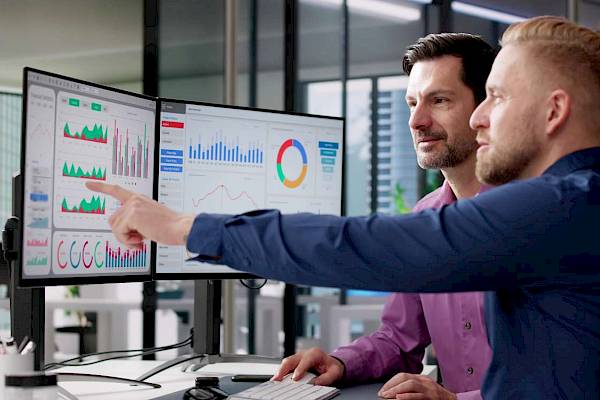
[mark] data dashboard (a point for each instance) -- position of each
(229, 160)
(77, 132)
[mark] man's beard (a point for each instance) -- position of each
(451, 155)
(504, 164)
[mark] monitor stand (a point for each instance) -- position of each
(27, 305)
(206, 336)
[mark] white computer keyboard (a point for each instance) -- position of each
(287, 389)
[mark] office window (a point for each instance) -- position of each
(401, 182)
(396, 170)
(10, 149)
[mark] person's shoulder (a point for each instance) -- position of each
(433, 199)
(543, 190)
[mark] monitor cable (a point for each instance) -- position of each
(138, 352)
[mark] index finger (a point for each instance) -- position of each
(287, 366)
(307, 362)
(395, 380)
(115, 191)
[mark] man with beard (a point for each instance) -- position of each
(447, 74)
(532, 243)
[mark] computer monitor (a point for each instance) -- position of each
(223, 159)
(75, 132)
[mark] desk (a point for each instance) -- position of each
(174, 380)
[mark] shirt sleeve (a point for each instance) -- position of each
(522, 234)
(397, 346)
(472, 395)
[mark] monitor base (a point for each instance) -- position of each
(194, 362)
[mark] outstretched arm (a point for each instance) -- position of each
(510, 236)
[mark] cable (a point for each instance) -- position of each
(68, 364)
(189, 338)
(65, 364)
(138, 352)
(253, 287)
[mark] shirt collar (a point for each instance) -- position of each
(441, 197)
(574, 161)
(447, 194)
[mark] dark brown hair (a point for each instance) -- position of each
(476, 54)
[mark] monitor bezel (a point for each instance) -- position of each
(77, 280)
(237, 275)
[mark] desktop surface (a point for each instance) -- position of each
(362, 392)
(175, 382)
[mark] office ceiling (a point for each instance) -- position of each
(101, 40)
(91, 39)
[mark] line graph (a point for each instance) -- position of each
(223, 191)
(42, 130)
(40, 125)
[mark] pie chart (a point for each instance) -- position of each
(293, 181)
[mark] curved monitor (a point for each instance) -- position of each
(222, 159)
(74, 132)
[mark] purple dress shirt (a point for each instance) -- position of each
(453, 322)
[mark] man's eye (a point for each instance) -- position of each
(441, 100)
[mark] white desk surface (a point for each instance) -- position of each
(172, 380)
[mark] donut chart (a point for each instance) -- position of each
(289, 145)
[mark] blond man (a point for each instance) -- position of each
(532, 243)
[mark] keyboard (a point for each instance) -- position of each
(287, 389)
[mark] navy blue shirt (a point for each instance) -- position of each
(533, 244)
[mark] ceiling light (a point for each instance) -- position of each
(485, 13)
(376, 8)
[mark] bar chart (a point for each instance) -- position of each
(130, 153)
(119, 257)
(231, 149)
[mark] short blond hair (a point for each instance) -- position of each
(572, 50)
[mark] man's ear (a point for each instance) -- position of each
(559, 110)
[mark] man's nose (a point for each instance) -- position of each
(420, 118)
(480, 117)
